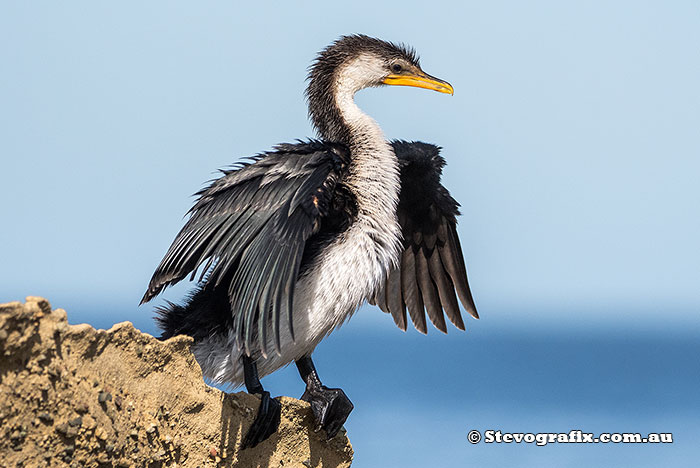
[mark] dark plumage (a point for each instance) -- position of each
(431, 266)
(289, 244)
(267, 209)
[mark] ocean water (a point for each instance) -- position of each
(416, 397)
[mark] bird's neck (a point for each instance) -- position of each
(373, 178)
(373, 173)
(374, 167)
(335, 115)
(361, 133)
(338, 119)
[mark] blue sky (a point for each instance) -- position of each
(572, 142)
(572, 139)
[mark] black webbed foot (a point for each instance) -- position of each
(268, 419)
(266, 422)
(330, 406)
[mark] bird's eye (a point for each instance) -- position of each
(396, 68)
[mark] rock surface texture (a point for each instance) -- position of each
(73, 396)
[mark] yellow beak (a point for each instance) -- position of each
(422, 80)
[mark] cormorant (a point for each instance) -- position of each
(289, 244)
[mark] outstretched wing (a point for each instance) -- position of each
(431, 266)
(247, 232)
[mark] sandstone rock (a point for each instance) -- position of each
(71, 395)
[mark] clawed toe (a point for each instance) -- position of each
(266, 422)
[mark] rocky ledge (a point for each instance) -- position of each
(73, 396)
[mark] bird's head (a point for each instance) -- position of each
(353, 63)
(356, 62)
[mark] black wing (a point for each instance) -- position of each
(248, 229)
(432, 266)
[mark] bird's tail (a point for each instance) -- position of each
(205, 313)
(170, 318)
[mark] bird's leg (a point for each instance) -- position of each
(330, 406)
(268, 419)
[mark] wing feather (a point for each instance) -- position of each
(409, 285)
(394, 299)
(446, 289)
(429, 291)
(432, 270)
(247, 232)
(454, 263)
